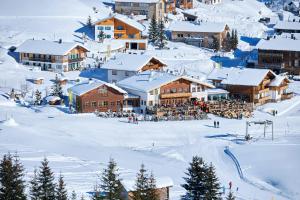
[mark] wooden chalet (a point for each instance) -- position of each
(122, 66)
(251, 85)
(55, 56)
(280, 54)
(96, 96)
(121, 27)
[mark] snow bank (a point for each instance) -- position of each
(10, 122)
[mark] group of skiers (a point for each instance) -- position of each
(216, 124)
(133, 119)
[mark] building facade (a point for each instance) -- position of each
(198, 34)
(52, 56)
(120, 27)
(149, 8)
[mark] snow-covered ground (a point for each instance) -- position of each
(79, 146)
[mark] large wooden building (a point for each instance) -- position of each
(280, 54)
(124, 65)
(149, 8)
(157, 88)
(198, 34)
(55, 56)
(121, 27)
(257, 86)
(96, 96)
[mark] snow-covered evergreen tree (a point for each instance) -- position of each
(161, 41)
(212, 184)
(38, 97)
(89, 21)
(227, 44)
(151, 191)
(12, 184)
(34, 186)
(73, 195)
(46, 182)
(230, 196)
(215, 44)
(111, 182)
(61, 192)
(153, 31)
(195, 179)
(235, 40)
(56, 88)
(141, 184)
(101, 36)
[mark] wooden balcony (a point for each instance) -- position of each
(264, 90)
(262, 100)
(287, 96)
(175, 95)
(119, 31)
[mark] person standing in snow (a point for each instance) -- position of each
(215, 124)
(230, 185)
(218, 124)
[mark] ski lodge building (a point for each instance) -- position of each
(162, 88)
(121, 27)
(198, 34)
(54, 56)
(257, 86)
(280, 54)
(122, 66)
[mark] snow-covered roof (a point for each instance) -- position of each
(125, 19)
(52, 98)
(83, 88)
(129, 62)
(237, 76)
(278, 80)
(150, 80)
(279, 44)
(203, 27)
(47, 47)
(138, 1)
(287, 25)
(161, 182)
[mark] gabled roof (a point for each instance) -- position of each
(237, 76)
(161, 182)
(277, 81)
(287, 25)
(83, 88)
(47, 47)
(150, 80)
(126, 20)
(203, 27)
(129, 62)
(279, 44)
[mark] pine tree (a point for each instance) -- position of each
(153, 30)
(161, 41)
(82, 197)
(56, 88)
(12, 185)
(61, 192)
(235, 40)
(46, 182)
(151, 192)
(216, 44)
(212, 184)
(89, 21)
(111, 182)
(227, 42)
(195, 181)
(141, 185)
(34, 187)
(73, 195)
(38, 97)
(230, 196)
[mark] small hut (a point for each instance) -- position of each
(53, 100)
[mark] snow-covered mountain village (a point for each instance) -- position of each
(149, 99)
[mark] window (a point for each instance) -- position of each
(193, 89)
(162, 91)
(94, 104)
(107, 28)
(180, 35)
(131, 36)
(156, 91)
(150, 103)
(179, 89)
(102, 91)
(118, 103)
(119, 35)
(100, 28)
(105, 103)
(112, 103)
(173, 90)
(120, 28)
(199, 89)
(87, 104)
(114, 72)
(151, 92)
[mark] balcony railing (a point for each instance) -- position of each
(262, 100)
(287, 96)
(176, 95)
